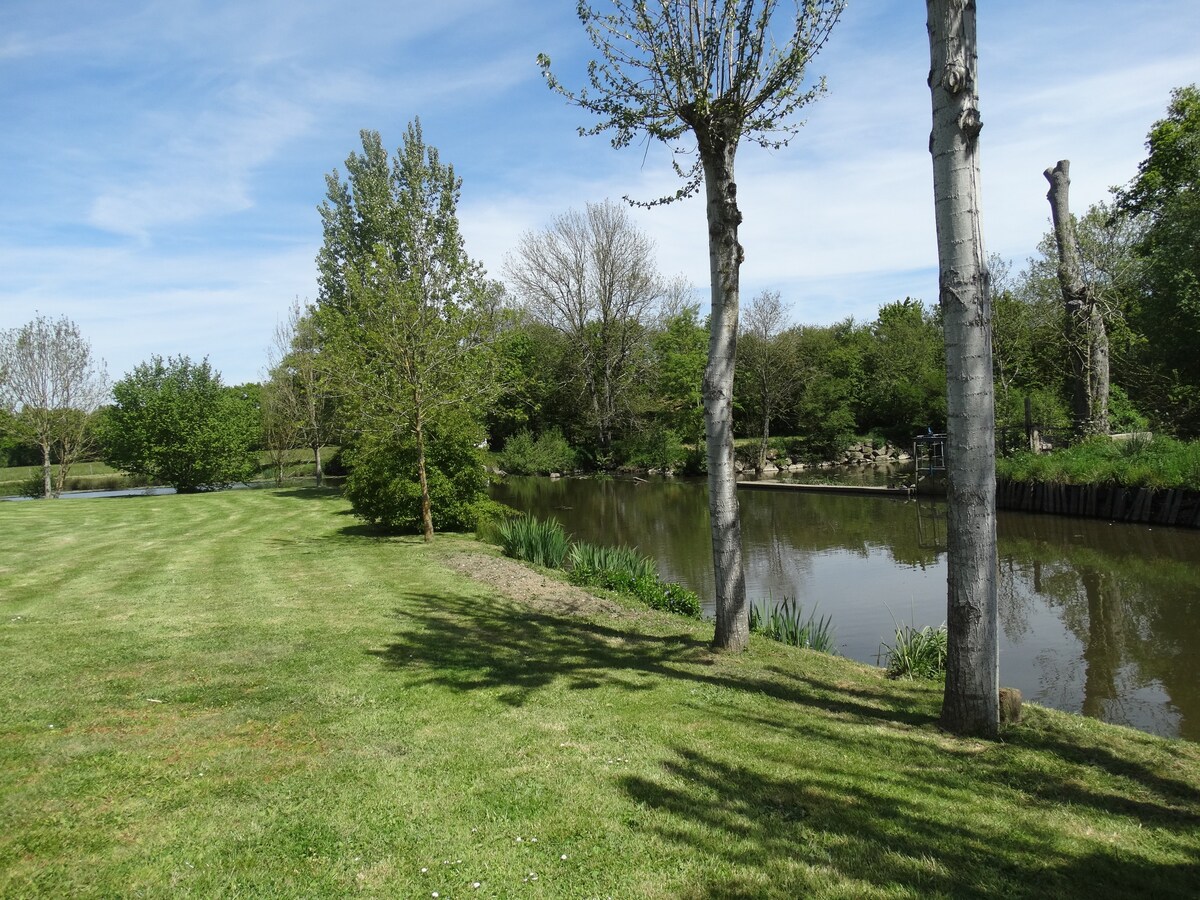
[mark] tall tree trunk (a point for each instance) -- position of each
(316, 449)
(1087, 338)
(971, 701)
(725, 258)
(47, 486)
(426, 512)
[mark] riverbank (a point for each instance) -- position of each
(251, 693)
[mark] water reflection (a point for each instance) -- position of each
(1096, 618)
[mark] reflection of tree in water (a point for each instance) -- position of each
(1131, 597)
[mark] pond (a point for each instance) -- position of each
(1096, 618)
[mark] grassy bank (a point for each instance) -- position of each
(1161, 463)
(250, 694)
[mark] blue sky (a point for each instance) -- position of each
(163, 159)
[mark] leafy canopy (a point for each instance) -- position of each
(717, 68)
(174, 423)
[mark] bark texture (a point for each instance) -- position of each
(1087, 338)
(732, 630)
(971, 701)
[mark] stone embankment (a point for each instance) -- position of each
(863, 453)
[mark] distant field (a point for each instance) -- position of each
(98, 476)
(250, 694)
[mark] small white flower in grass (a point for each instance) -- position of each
(533, 840)
(435, 894)
(424, 870)
(564, 856)
(476, 884)
(519, 838)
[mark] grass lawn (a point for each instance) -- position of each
(249, 694)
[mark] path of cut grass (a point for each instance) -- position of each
(248, 694)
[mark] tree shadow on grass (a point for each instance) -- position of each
(911, 831)
(868, 799)
(470, 644)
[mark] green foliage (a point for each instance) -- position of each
(656, 448)
(174, 423)
(488, 516)
(787, 624)
(543, 543)
(384, 488)
(1166, 191)
(523, 454)
(917, 653)
(615, 568)
(1159, 463)
(407, 322)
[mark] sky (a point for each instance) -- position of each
(163, 160)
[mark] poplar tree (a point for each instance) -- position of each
(971, 700)
(717, 71)
(407, 321)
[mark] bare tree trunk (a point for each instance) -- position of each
(1087, 338)
(971, 700)
(316, 448)
(47, 486)
(725, 258)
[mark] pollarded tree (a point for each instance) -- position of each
(407, 323)
(53, 384)
(173, 422)
(1086, 336)
(971, 702)
(714, 69)
(592, 276)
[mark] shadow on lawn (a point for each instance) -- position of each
(869, 799)
(467, 644)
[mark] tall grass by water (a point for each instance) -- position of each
(541, 542)
(787, 624)
(916, 652)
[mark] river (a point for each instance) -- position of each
(1096, 618)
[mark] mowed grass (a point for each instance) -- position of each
(248, 694)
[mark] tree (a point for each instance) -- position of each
(971, 700)
(592, 276)
(905, 366)
(407, 322)
(50, 380)
(173, 422)
(298, 401)
(1166, 191)
(1086, 336)
(714, 69)
(766, 366)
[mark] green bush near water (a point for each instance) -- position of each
(523, 454)
(1159, 463)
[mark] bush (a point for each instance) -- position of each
(917, 653)
(384, 489)
(548, 452)
(667, 596)
(543, 543)
(657, 448)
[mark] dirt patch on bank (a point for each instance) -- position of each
(519, 582)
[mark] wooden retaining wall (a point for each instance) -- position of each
(1117, 504)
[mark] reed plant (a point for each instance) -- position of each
(597, 565)
(916, 653)
(787, 624)
(541, 542)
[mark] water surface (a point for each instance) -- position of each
(1096, 618)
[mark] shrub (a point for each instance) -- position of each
(543, 543)
(667, 596)
(657, 448)
(786, 623)
(383, 487)
(917, 653)
(548, 452)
